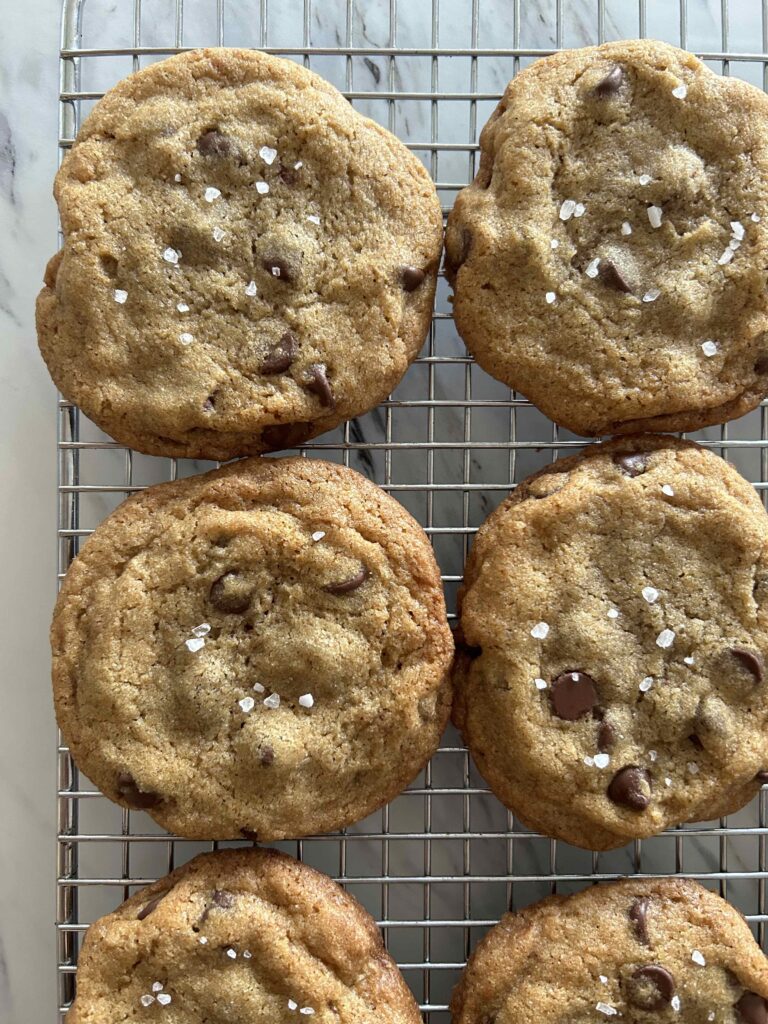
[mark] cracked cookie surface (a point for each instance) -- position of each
(261, 651)
(658, 950)
(247, 262)
(240, 935)
(611, 680)
(609, 258)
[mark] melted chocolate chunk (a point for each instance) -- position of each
(347, 586)
(285, 435)
(610, 275)
(751, 661)
(267, 756)
(411, 277)
(147, 909)
(220, 900)
(611, 84)
(248, 833)
(761, 366)
(231, 593)
(762, 776)
(281, 356)
(130, 793)
(319, 384)
(631, 787)
(651, 987)
(631, 463)
(606, 736)
(753, 1008)
(279, 269)
(573, 695)
(214, 143)
(638, 915)
(694, 739)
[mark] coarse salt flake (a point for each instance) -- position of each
(318, 535)
(603, 979)
(121, 296)
(247, 704)
(247, 954)
(626, 228)
(589, 761)
(668, 490)
(307, 1010)
(272, 701)
(592, 266)
(609, 1011)
(692, 767)
(292, 1005)
(231, 954)
(613, 613)
(579, 210)
(540, 630)
(298, 165)
(675, 1003)
(157, 986)
(654, 216)
(566, 209)
(262, 188)
(734, 244)
(554, 244)
(147, 1000)
(688, 660)
(680, 91)
(163, 998)
(651, 295)
(258, 687)
(275, 271)
(218, 234)
(709, 348)
(665, 638)
(755, 218)
(313, 218)
(550, 297)
(738, 229)
(698, 957)
(652, 755)
(645, 179)
(539, 683)
(306, 700)
(650, 594)
(182, 307)
(667, 782)
(177, 177)
(202, 630)
(186, 338)
(203, 941)
(726, 257)
(211, 194)
(250, 289)
(171, 255)
(711, 1015)
(268, 154)
(195, 644)
(602, 760)
(646, 684)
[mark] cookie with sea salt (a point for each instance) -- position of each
(611, 681)
(609, 259)
(658, 950)
(247, 261)
(240, 935)
(261, 651)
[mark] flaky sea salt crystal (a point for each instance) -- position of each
(195, 644)
(540, 631)
(550, 297)
(121, 296)
(272, 701)
(665, 638)
(650, 594)
(709, 348)
(306, 700)
(654, 216)
(626, 228)
(680, 91)
(592, 267)
(262, 188)
(247, 704)
(250, 289)
(211, 194)
(268, 154)
(567, 208)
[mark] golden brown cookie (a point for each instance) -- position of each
(261, 651)
(644, 951)
(247, 261)
(615, 625)
(609, 259)
(240, 935)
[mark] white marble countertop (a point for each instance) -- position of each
(29, 39)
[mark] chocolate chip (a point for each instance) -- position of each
(651, 987)
(761, 366)
(214, 143)
(347, 586)
(267, 756)
(694, 739)
(130, 793)
(610, 275)
(457, 257)
(606, 736)
(751, 661)
(278, 268)
(289, 175)
(638, 915)
(147, 909)
(319, 384)
(248, 833)
(573, 694)
(411, 277)
(611, 84)
(753, 1008)
(285, 435)
(631, 787)
(762, 776)
(231, 593)
(631, 463)
(281, 355)
(221, 900)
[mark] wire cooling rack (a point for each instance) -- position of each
(441, 863)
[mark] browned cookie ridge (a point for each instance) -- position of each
(615, 617)
(658, 950)
(247, 261)
(609, 259)
(240, 935)
(259, 652)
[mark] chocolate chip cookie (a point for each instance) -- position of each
(240, 935)
(660, 950)
(609, 259)
(611, 680)
(261, 651)
(247, 261)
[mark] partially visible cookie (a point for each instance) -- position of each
(247, 261)
(657, 950)
(609, 259)
(240, 935)
(261, 651)
(612, 681)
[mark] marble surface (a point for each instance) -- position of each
(28, 132)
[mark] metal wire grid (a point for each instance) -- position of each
(440, 864)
